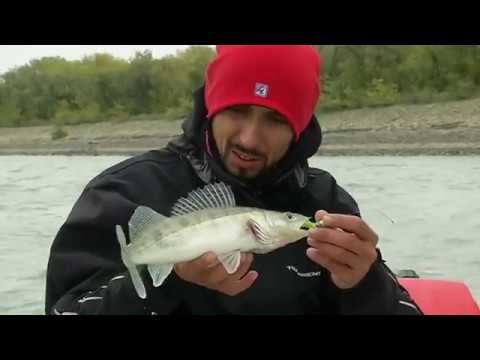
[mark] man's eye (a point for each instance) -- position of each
(238, 110)
(278, 121)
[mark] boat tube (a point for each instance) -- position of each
(439, 297)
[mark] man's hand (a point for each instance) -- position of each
(346, 247)
(208, 271)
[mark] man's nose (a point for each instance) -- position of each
(250, 135)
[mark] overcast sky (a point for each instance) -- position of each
(17, 55)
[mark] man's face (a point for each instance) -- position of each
(251, 139)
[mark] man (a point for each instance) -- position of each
(253, 127)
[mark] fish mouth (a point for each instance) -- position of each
(308, 225)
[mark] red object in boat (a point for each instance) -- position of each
(441, 297)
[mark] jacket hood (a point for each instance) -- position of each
(197, 129)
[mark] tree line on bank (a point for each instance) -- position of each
(100, 87)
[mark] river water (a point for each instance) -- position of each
(425, 209)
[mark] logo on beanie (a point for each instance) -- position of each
(261, 90)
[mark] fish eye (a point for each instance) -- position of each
(290, 216)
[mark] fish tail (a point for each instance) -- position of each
(131, 267)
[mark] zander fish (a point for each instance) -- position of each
(207, 220)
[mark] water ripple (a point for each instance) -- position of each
(435, 232)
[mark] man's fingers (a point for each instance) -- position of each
(347, 254)
(340, 255)
(245, 264)
(209, 260)
(208, 271)
(344, 240)
(213, 276)
(218, 274)
(342, 276)
(349, 223)
(320, 214)
(205, 261)
(243, 268)
(239, 282)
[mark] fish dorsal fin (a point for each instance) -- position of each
(216, 195)
(142, 219)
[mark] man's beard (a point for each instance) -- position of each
(244, 174)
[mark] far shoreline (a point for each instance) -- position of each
(389, 149)
(440, 129)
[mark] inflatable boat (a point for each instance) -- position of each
(439, 297)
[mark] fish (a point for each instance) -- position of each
(206, 220)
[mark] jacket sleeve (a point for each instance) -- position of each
(379, 293)
(85, 273)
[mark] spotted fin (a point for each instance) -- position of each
(216, 195)
(142, 219)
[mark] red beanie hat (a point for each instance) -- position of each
(284, 78)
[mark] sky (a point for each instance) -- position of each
(17, 55)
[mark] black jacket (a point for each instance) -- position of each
(86, 275)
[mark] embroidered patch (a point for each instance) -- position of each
(261, 90)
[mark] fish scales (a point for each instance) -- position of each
(208, 220)
(207, 230)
